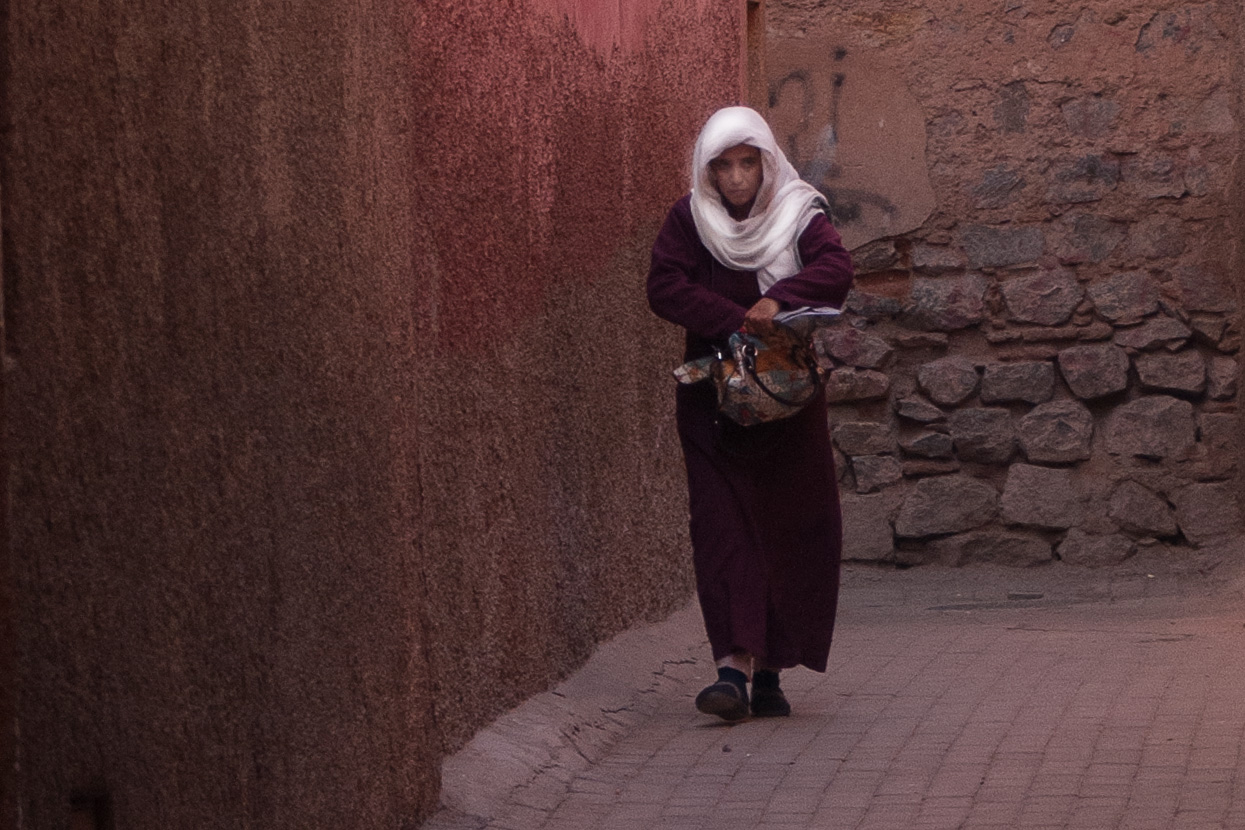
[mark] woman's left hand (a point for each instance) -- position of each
(760, 318)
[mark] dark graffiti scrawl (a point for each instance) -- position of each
(812, 145)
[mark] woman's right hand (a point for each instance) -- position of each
(759, 319)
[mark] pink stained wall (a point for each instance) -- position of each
(1237, 199)
(607, 26)
(337, 423)
(546, 135)
(559, 508)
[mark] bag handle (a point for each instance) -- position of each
(750, 367)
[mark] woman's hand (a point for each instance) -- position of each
(760, 318)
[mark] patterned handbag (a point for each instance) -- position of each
(759, 379)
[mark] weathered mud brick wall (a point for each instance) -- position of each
(1041, 364)
(316, 324)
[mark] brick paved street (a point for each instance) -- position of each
(989, 699)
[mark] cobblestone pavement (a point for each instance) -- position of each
(988, 699)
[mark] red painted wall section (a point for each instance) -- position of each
(547, 465)
(605, 26)
(540, 153)
(1237, 197)
(335, 417)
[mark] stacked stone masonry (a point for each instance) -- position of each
(1047, 368)
(1093, 439)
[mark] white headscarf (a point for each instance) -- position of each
(764, 242)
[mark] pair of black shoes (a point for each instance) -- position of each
(728, 697)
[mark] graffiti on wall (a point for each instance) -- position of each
(854, 132)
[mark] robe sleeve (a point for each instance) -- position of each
(826, 276)
(674, 296)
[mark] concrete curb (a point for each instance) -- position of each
(552, 737)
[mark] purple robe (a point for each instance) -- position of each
(765, 524)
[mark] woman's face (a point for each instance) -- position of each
(737, 175)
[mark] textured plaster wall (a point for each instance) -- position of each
(336, 420)
(558, 511)
(1046, 367)
(209, 295)
(1238, 208)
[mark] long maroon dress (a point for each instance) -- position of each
(765, 523)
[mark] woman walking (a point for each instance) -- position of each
(750, 240)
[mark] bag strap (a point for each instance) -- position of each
(750, 353)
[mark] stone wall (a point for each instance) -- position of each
(1047, 367)
(336, 422)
